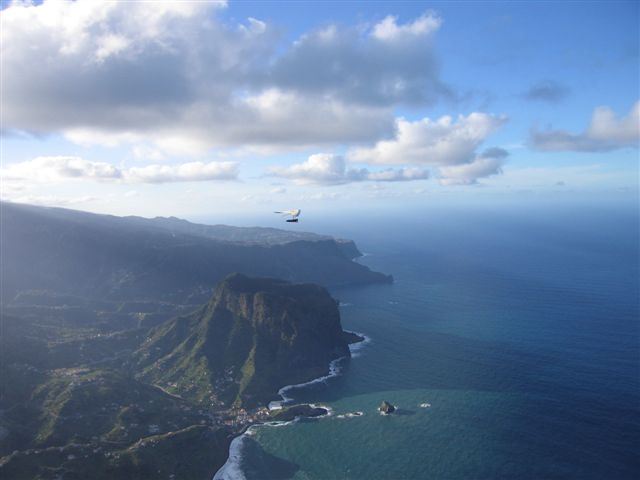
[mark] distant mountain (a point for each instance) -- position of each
(111, 366)
(65, 252)
(253, 337)
(225, 233)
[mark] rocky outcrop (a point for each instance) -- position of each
(254, 336)
(352, 337)
(386, 408)
(349, 248)
(287, 414)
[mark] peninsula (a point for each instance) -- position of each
(106, 376)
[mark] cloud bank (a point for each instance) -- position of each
(428, 142)
(488, 164)
(175, 75)
(605, 133)
(61, 168)
(174, 78)
(328, 169)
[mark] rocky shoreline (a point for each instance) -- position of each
(230, 470)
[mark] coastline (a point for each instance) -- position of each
(231, 470)
(334, 370)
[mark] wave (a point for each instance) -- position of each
(350, 415)
(334, 370)
(232, 469)
(326, 407)
(355, 348)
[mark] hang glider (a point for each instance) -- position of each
(294, 214)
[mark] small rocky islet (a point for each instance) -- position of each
(386, 408)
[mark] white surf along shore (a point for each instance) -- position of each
(232, 469)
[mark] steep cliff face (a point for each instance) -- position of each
(253, 337)
(102, 257)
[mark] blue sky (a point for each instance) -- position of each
(194, 109)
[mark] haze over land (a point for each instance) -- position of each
(468, 180)
(115, 349)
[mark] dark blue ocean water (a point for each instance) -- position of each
(520, 328)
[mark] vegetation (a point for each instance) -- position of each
(152, 403)
(253, 337)
(71, 255)
(112, 367)
(287, 414)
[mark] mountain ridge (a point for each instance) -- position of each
(254, 336)
(106, 257)
(116, 352)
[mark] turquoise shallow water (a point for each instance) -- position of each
(525, 344)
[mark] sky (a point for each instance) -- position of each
(198, 109)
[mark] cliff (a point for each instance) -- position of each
(254, 336)
(69, 253)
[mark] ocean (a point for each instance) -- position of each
(518, 333)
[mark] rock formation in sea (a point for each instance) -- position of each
(386, 408)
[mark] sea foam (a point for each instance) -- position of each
(355, 348)
(232, 469)
(334, 370)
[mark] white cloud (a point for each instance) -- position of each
(386, 65)
(60, 168)
(329, 169)
(144, 152)
(428, 142)
(186, 172)
(271, 118)
(606, 132)
(606, 127)
(111, 44)
(389, 30)
(12, 187)
(278, 190)
(52, 169)
(323, 196)
(399, 175)
(49, 200)
(277, 117)
(174, 76)
(488, 164)
(468, 173)
(322, 168)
